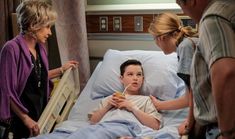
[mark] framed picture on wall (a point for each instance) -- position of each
(187, 21)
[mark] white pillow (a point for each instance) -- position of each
(160, 75)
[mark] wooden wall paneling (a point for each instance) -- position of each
(92, 22)
(147, 20)
(127, 23)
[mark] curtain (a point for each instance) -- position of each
(6, 8)
(72, 35)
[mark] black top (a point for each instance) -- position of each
(34, 94)
(33, 97)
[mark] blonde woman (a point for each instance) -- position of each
(171, 36)
(24, 76)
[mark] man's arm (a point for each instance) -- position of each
(188, 124)
(223, 88)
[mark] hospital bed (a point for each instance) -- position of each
(160, 80)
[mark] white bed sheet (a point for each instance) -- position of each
(78, 115)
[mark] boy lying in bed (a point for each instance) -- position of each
(118, 115)
(131, 114)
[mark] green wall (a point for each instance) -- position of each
(106, 2)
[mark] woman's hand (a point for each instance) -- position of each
(31, 125)
(71, 63)
(156, 102)
(60, 71)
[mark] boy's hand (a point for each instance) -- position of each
(126, 104)
(118, 97)
(111, 103)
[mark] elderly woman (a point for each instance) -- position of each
(24, 75)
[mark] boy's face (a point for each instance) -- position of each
(133, 75)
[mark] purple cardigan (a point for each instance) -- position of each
(15, 68)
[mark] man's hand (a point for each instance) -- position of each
(183, 128)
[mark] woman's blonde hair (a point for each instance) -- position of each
(170, 24)
(32, 15)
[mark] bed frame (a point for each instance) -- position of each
(63, 98)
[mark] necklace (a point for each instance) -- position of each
(37, 68)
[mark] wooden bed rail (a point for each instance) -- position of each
(61, 102)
